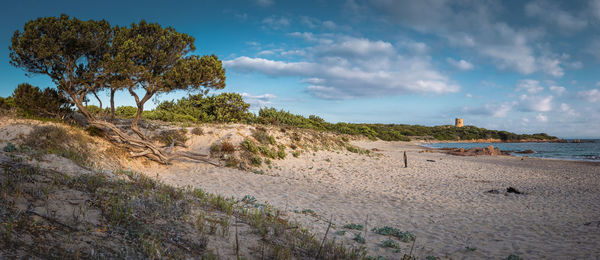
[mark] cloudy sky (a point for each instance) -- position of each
(522, 66)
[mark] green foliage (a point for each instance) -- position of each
(281, 152)
(223, 108)
(354, 226)
(296, 154)
(125, 111)
(390, 243)
(389, 132)
(358, 238)
(10, 147)
(249, 146)
(31, 101)
(172, 136)
(514, 257)
(391, 231)
(256, 160)
(94, 109)
(262, 137)
(7, 103)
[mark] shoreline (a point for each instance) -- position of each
(511, 153)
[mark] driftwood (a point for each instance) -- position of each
(139, 147)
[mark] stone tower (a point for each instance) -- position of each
(458, 122)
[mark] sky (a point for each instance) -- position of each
(521, 66)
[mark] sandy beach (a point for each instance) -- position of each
(442, 199)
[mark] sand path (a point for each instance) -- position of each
(444, 203)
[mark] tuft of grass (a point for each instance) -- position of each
(256, 160)
(227, 147)
(470, 249)
(10, 147)
(340, 232)
(296, 154)
(358, 238)
(391, 231)
(514, 257)
(168, 137)
(354, 226)
(390, 243)
(281, 152)
(57, 140)
(197, 131)
(249, 146)
(262, 137)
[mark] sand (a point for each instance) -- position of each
(441, 198)
(445, 203)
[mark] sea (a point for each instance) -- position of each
(586, 150)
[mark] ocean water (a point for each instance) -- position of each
(587, 150)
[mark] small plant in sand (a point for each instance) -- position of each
(430, 257)
(358, 238)
(470, 249)
(197, 131)
(390, 243)
(250, 146)
(354, 226)
(281, 152)
(296, 154)
(391, 231)
(173, 136)
(340, 232)
(514, 257)
(227, 147)
(260, 134)
(256, 160)
(10, 147)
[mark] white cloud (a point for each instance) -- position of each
(529, 85)
(490, 109)
(541, 118)
(329, 25)
(595, 8)
(535, 103)
(552, 14)
(258, 101)
(592, 95)
(475, 25)
(469, 95)
(265, 53)
(339, 67)
(265, 3)
(568, 110)
(558, 90)
(460, 64)
(551, 66)
(276, 23)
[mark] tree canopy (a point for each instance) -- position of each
(84, 57)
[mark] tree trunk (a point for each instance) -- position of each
(112, 105)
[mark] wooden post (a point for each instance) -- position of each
(405, 160)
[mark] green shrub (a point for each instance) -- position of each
(281, 152)
(197, 131)
(354, 226)
(249, 146)
(10, 147)
(31, 101)
(256, 160)
(223, 108)
(125, 111)
(7, 103)
(262, 137)
(168, 137)
(95, 110)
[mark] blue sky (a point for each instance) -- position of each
(522, 66)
